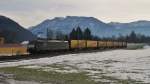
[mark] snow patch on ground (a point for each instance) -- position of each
(121, 64)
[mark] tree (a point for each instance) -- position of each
(121, 37)
(73, 34)
(132, 37)
(79, 33)
(76, 34)
(66, 38)
(87, 34)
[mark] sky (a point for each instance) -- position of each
(32, 12)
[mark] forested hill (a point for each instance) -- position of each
(13, 32)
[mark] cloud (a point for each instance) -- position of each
(32, 12)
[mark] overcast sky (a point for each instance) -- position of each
(32, 12)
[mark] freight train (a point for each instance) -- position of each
(12, 49)
(53, 45)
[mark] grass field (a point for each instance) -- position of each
(26, 74)
(54, 77)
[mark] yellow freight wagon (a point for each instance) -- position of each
(82, 44)
(92, 44)
(102, 44)
(116, 44)
(110, 44)
(12, 49)
(78, 44)
(73, 44)
(120, 44)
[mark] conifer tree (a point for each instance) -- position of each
(87, 34)
(73, 35)
(79, 33)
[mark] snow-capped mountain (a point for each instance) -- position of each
(66, 24)
(99, 28)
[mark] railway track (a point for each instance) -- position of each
(42, 55)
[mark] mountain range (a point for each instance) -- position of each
(13, 32)
(97, 27)
(140, 27)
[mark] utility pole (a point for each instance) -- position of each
(47, 35)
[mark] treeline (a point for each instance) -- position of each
(79, 34)
(56, 35)
(135, 38)
(75, 34)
